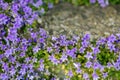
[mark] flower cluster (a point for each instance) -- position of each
(41, 56)
(18, 14)
(103, 3)
(31, 54)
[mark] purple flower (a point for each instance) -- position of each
(111, 38)
(101, 1)
(76, 38)
(89, 55)
(86, 76)
(95, 50)
(101, 41)
(22, 71)
(42, 11)
(49, 49)
(63, 58)
(41, 40)
(117, 64)
(36, 49)
(101, 67)
(12, 71)
(4, 76)
(12, 59)
(77, 65)
(22, 54)
(88, 64)
(71, 53)
(3, 19)
(96, 65)
(53, 78)
(82, 49)
(15, 8)
(43, 33)
(3, 5)
(92, 1)
(78, 71)
(27, 10)
(33, 35)
(54, 38)
(70, 73)
(85, 43)
(8, 52)
(41, 67)
(109, 65)
(105, 75)
(111, 47)
(5, 67)
(86, 37)
(63, 43)
(30, 21)
(118, 35)
(38, 3)
(53, 60)
(95, 76)
(50, 5)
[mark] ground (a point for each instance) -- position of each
(67, 19)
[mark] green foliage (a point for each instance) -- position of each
(105, 56)
(85, 2)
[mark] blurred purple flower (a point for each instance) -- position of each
(86, 76)
(33, 35)
(92, 1)
(89, 55)
(109, 65)
(105, 75)
(38, 3)
(22, 71)
(78, 71)
(63, 58)
(42, 11)
(43, 33)
(77, 65)
(53, 59)
(49, 49)
(118, 35)
(82, 49)
(41, 67)
(3, 5)
(96, 65)
(36, 49)
(101, 41)
(12, 71)
(86, 37)
(76, 38)
(85, 43)
(71, 53)
(101, 1)
(70, 73)
(88, 64)
(5, 67)
(41, 40)
(4, 76)
(3, 19)
(111, 39)
(22, 54)
(95, 76)
(50, 5)
(101, 67)
(54, 38)
(95, 50)
(8, 52)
